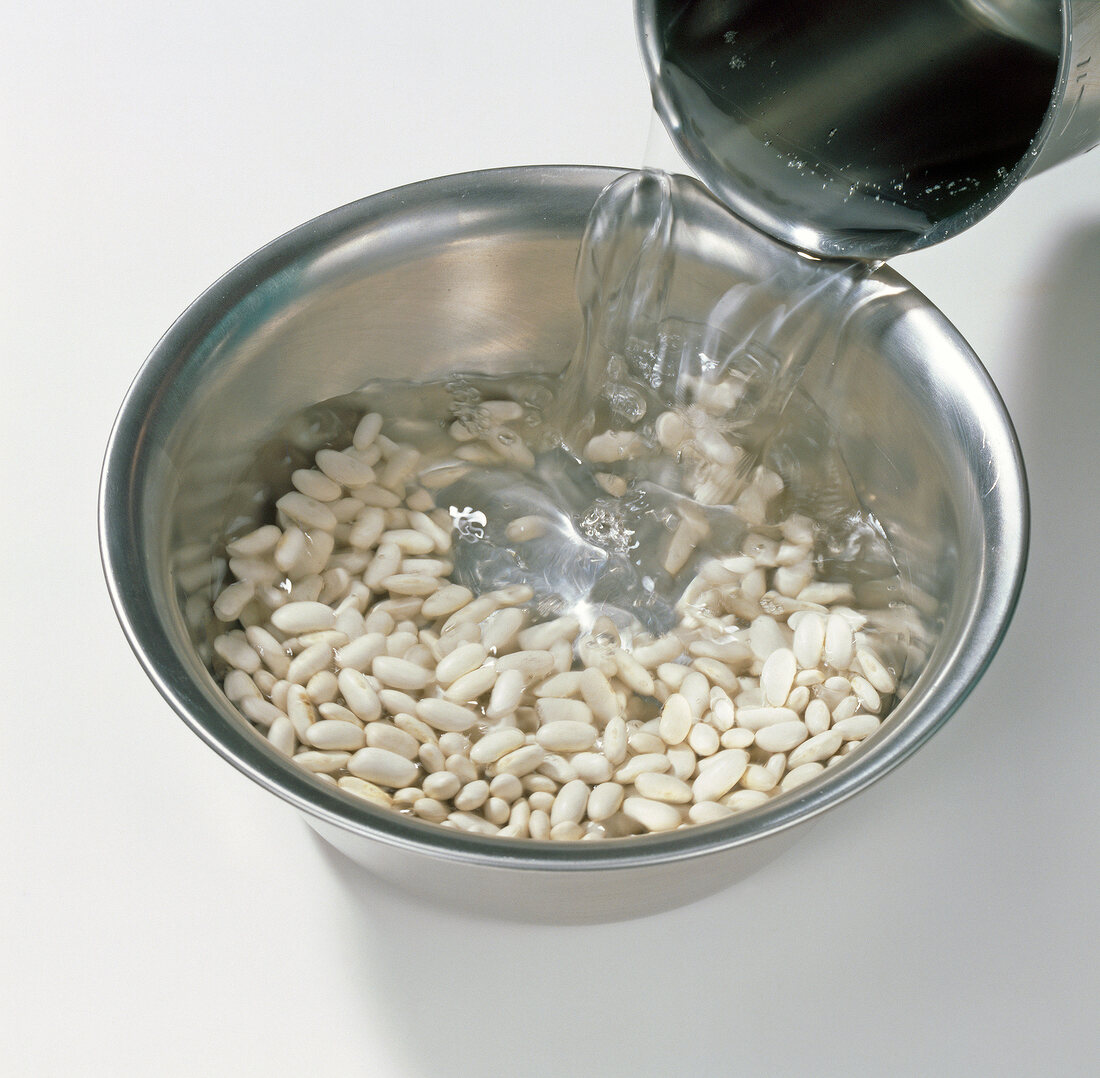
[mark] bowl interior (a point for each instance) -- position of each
(475, 273)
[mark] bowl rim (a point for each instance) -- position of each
(1005, 506)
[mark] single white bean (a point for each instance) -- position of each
(506, 694)
(335, 734)
(799, 775)
(724, 772)
(652, 815)
(380, 735)
(777, 676)
(321, 762)
(400, 673)
(703, 739)
(445, 715)
(540, 637)
(520, 762)
(524, 529)
(383, 767)
(367, 528)
(462, 660)
(875, 671)
(676, 719)
(306, 512)
(315, 484)
(857, 727)
(566, 735)
(661, 786)
(866, 693)
(682, 761)
(472, 685)
(347, 469)
(639, 765)
(260, 541)
(781, 736)
(361, 652)
(615, 740)
(499, 630)
(839, 642)
(312, 660)
(819, 747)
(756, 718)
(416, 584)
(359, 694)
(554, 709)
(495, 744)
(740, 800)
(708, 811)
(368, 791)
(604, 801)
(442, 785)
(593, 767)
(817, 717)
(532, 665)
(235, 649)
(632, 673)
(570, 803)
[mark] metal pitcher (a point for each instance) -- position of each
(863, 129)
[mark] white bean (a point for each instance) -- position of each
(495, 744)
(652, 815)
(570, 803)
(540, 637)
(380, 735)
(472, 685)
(676, 719)
(632, 673)
(756, 718)
(400, 673)
(857, 727)
(604, 801)
(740, 800)
(799, 775)
(322, 762)
(566, 735)
(781, 736)
(359, 694)
(520, 762)
(708, 812)
(639, 765)
(462, 660)
(368, 791)
(335, 734)
(874, 671)
(777, 676)
(839, 642)
(237, 652)
(593, 767)
(524, 529)
(506, 694)
(661, 786)
(615, 740)
(819, 747)
(555, 709)
(445, 715)
(724, 772)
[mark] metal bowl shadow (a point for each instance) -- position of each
(475, 273)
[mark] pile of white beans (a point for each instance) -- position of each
(358, 658)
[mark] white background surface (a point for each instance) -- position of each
(162, 915)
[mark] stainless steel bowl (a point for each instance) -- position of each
(474, 273)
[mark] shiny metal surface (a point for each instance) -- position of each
(865, 129)
(475, 272)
